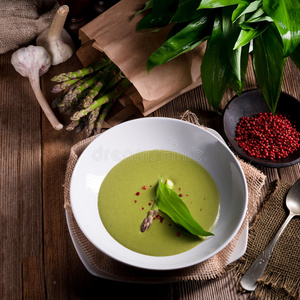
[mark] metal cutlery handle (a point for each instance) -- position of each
(249, 280)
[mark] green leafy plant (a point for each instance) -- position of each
(229, 26)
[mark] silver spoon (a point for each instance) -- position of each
(249, 280)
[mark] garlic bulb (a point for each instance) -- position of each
(33, 62)
(56, 39)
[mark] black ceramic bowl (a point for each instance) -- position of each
(250, 103)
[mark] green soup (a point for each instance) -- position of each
(127, 193)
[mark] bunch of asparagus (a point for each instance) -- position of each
(88, 94)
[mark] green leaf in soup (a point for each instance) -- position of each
(243, 9)
(221, 3)
(268, 63)
(216, 70)
(185, 40)
(186, 11)
(160, 15)
(295, 56)
(171, 204)
(246, 35)
(286, 15)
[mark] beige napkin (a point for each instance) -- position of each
(22, 20)
(112, 269)
(281, 279)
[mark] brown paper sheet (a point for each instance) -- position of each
(114, 32)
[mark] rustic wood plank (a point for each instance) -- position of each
(33, 288)
(20, 184)
(56, 146)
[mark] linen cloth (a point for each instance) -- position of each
(281, 279)
(21, 21)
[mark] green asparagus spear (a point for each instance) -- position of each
(58, 100)
(102, 116)
(115, 93)
(92, 117)
(149, 218)
(77, 126)
(64, 85)
(113, 81)
(108, 72)
(62, 101)
(104, 61)
(73, 125)
(81, 125)
(80, 91)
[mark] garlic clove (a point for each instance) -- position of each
(56, 39)
(60, 49)
(32, 62)
(34, 56)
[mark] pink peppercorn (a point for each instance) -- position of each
(267, 136)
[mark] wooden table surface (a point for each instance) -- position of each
(38, 259)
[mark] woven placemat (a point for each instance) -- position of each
(112, 269)
(281, 279)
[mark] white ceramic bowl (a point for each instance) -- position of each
(143, 134)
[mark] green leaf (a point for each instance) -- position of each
(238, 85)
(252, 21)
(148, 5)
(176, 28)
(243, 9)
(259, 12)
(262, 18)
(257, 16)
(268, 63)
(186, 11)
(160, 15)
(295, 56)
(216, 70)
(247, 35)
(172, 205)
(286, 15)
(185, 40)
(221, 3)
(231, 32)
